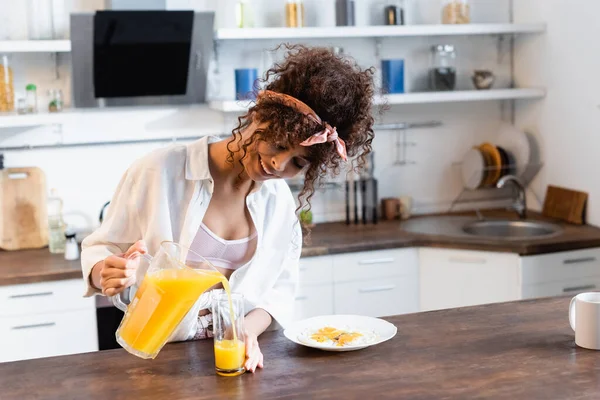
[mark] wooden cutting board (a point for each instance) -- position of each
(23, 212)
(565, 204)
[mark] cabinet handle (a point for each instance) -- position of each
(578, 288)
(377, 289)
(467, 260)
(301, 297)
(579, 260)
(21, 296)
(377, 261)
(44, 325)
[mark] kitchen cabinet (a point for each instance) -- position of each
(374, 283)
(46, 319)
(459, 278)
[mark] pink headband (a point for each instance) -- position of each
(328, 134)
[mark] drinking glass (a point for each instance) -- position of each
(228, 330)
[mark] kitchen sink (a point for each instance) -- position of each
(504, 229)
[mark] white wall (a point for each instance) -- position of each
(86, 177)
(566, 123)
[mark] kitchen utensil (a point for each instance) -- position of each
(565, 204)
(483, 79)
(171, 283)
(515, 142)
(355, 200)
(246, 83)
(378, 329)
(390, 208)
(584, 318)
(494, 168)
(392, 76)
(23, 213)
(473, 169)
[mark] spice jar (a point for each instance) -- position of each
(294, 13)
(394, 13)
(456, 12)
(442, 74)
(55, 103)
(7, 85)
(31, 98)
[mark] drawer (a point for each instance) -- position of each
(316, 270)
(47, 335)
(375, 264)
(38, 298)
(312, 301)
(561, 266)
(571, 287)
(377, 297)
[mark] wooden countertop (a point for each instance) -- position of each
(337, 237)
(519, 350)
(28, 266)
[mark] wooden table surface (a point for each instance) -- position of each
(519, 350)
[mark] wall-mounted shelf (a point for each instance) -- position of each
(377, 31)
(35, 46)
(12, 120)
(236, 106)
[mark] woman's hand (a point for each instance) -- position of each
(116, 273)
(254, 357)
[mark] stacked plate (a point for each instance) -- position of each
(486, 163)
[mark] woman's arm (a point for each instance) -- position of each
(255, 323)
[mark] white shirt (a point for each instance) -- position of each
(164, 196)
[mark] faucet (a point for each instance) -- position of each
(520, 205)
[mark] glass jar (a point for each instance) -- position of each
(456, 12)
(41, 23)
(55, 101)
(7, 85)
(442, 74)
(31, 98)
(243, 14)
(294, 13)
(394, 12)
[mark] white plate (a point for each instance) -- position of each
(382, 330)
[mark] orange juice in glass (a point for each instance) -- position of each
(169, 290)
(230, 349)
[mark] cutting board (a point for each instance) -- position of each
(565, 204)
(23, 220)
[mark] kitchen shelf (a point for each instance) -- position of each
(13, 120)
(378, 31)
(231, 106)
(35, 46)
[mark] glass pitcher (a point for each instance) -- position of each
(174, 281)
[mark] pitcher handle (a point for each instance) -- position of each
(118, 299)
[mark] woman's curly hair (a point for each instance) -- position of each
(339, 92)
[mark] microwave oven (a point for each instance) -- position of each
(139, 58)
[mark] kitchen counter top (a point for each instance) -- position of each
(28, 266)
(337, 237)
(518, 350)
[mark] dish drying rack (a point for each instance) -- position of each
(490, 193)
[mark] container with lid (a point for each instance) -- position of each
(394, 12)
(294, 13)
(31, 98)
(7, 85)
(55, 101)
(442, 74)
(456, 12)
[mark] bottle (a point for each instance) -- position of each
(31, 98)
(71, 246)
(56, 225)
(294, 13)
(243, 14)
(7, 85)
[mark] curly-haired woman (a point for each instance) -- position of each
(227, 200)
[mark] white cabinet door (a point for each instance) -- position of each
(313, 300)
(46, 335)
(458, 278)
(352, 267)
(560, 267)
(378, 297)
(569, 287)
(316, 270)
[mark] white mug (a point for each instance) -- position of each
(584, 317)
